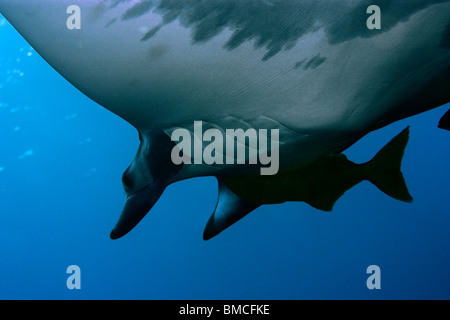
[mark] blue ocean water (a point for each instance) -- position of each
(61, 161)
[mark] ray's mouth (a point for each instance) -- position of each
(134, 193)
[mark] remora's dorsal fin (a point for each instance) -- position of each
(444, 123)
(230, 208)
(384, 169)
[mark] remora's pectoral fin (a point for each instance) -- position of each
(230, 208)
(384, 170)
(444, 123)
(136, 207)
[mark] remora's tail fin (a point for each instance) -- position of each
(384, 169)
(445, 121)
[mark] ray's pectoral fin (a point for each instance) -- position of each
(230, 208)
(384, 170)
(444, 123)
(137, 205)
(145, 179)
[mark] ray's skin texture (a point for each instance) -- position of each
(310, 68)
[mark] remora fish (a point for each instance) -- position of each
(311, 69)
(319, 184)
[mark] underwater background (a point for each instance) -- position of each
(61, 161)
